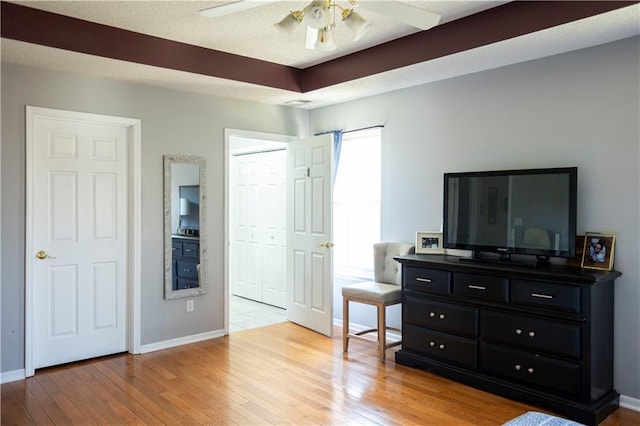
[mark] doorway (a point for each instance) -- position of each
(307, 252)
(255, 229)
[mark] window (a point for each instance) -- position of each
(356, 203)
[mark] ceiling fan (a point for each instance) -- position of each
(320, 18)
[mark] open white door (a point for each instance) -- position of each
(309, 223)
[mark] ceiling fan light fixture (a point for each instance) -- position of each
(319, 17)
(317, 14)
(311, 38)
(290, 23)
(325, 40)
(356, 23)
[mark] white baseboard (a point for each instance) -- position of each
(352, 325)
(630, 403)
(12, 376)
(355, 327)
(166, 344)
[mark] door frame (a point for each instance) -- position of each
(134, 221)
(228, 135)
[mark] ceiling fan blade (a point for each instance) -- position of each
(403, 12)
(233, 7)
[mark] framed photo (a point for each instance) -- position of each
(598, 251)
(429, 243)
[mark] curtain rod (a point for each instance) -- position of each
(363, 128)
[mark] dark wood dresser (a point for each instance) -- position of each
(185, 255)
(541, 335)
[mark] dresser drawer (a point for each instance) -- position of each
(448, 348)
(176, 248)
(190, 250)
(545, 294)
(531, 369)
(441, 316)
(531, 333)
(480, 286)
(187, 270)
(184, 284)
(426, 280)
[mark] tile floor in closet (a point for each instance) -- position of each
(245, 314)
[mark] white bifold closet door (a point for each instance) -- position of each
(258, 225)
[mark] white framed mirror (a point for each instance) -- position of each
(185, 230)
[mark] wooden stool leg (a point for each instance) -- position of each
(345, 324)
(382, 332)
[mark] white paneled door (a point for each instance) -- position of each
(246, 246)
(79, 239)
(274, 274)
(258, 223)
(309, 207)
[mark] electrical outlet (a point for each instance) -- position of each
(189, 305)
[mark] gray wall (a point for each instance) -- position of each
(172, 123)
(580, 108)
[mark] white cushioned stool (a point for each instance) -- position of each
(384, 291)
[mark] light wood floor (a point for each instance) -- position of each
(281, 374)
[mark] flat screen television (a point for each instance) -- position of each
(529, 212)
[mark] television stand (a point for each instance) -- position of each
(477, 257)
(543, 261)
(504, 257)
(543, 336)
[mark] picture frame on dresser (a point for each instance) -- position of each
(598, 250)
(429, 242)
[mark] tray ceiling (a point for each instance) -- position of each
(168, 44)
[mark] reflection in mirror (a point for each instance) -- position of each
(185, 204)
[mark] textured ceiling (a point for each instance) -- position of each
(251, 33)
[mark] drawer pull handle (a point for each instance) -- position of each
(530, 370)
(518, 331)
(442, 316)
(532, 334)
(518, 367)
(477, 287)
(542, 296)
(423, 280)
(188, 250)
(187, 270)
(441, 346)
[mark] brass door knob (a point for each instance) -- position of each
(327, 244)
(43, 255)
